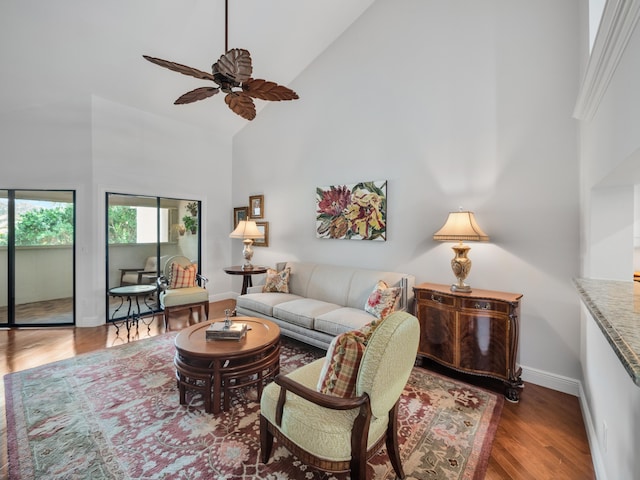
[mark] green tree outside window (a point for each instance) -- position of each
(45, 226)
(123, 224)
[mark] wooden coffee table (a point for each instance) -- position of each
(217, 367)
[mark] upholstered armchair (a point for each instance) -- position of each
(182, 288)
(336, 433)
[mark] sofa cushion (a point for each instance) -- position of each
(264, 302)
(277, 281)
(330, 283)
(346, 286)
(382, 300)
(342, 320)
(302, 311)
(183, 296)
(300, 276)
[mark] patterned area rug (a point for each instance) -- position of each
(114, 414)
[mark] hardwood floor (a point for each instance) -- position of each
(541, 437)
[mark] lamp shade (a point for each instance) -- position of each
(246, 229)
(461, 226)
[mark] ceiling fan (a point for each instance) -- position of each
(232, 75)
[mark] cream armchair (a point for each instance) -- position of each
(340, 434)
(139, 276)
(182, 288)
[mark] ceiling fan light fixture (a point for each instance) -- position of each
(232, 75)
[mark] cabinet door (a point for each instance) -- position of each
(484, 342)
(437, 331)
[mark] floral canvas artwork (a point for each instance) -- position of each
(352, 212)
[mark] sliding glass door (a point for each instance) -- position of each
(142, 233)
(4, 258)
(37, 261)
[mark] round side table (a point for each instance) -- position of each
(128, 293)
(246, 275)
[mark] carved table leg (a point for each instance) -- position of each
(513, 387)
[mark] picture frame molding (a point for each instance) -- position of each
(260, 201)
(262, 242)
(237, 214)
(356, 211)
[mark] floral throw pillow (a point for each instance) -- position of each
(382, 300)
(277, 281)
(182, 277)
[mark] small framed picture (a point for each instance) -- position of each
(239, 213)
(256, 206)
(264, 241)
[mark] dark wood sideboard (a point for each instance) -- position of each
(476, 332)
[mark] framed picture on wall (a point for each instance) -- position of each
(239, 213)
(264, 241)
(352, 211)
(256, 206)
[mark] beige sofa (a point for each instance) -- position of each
(323, 300)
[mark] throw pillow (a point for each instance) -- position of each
(277, 281)
(341, 364)
(382, 300)
(182, 277)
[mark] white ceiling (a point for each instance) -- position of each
(51, 51)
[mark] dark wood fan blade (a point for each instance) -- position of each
(265, 90)
(241, 104)
(197, 94)
(176, 67)
(235, 64)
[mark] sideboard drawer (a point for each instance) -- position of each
(435, 297)
(484, 305)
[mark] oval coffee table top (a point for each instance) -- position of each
(192, 340)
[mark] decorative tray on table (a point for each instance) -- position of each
(226, 330)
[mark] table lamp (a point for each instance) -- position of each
(247, 230)
(461, 226)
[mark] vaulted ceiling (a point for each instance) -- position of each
(53, 51)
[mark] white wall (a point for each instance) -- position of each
(612, 402)
(95, 146)
(610, 166)
(610, 169)
(454, 103)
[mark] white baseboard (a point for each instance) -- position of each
(594, 445)
(218, 297)
(551, 380)
(92, 321)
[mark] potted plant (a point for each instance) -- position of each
(193, 208)
(190, 223)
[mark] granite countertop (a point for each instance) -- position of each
(615, 305)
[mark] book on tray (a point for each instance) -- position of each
(220, 331)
